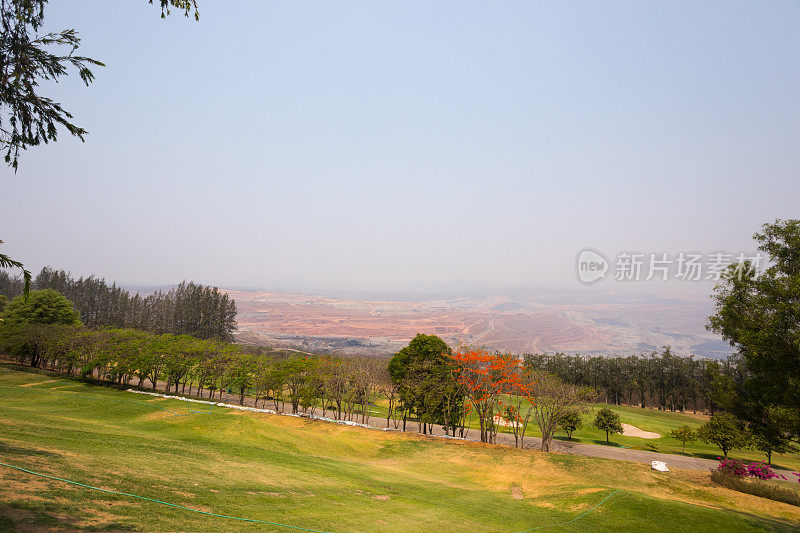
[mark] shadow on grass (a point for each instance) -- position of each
(612, 444)
(65, 377)
(6, 448)
(704, 455)
(767, 523)
(30, 516)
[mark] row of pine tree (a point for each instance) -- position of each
(189, 308)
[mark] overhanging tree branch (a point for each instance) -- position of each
(7, 262)
(27, 118)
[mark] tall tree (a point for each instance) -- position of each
(759, 314)
(422, 373)
(188, 309)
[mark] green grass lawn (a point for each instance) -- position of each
(661, 422)
(316, 475)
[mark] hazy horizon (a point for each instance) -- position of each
(414, 147)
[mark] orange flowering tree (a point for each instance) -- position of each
(484, 376)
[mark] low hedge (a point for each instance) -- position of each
(772, 490)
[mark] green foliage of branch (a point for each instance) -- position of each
(22, 320)
(189, 7)
(28, 118)
(7, 262)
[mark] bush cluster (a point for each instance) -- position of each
(756, 479)
(771, 490)
(756, 469)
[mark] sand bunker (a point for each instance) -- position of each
(500, 421)
(632, 431)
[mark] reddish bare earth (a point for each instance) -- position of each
(602, 324)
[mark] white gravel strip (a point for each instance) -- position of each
(268, 411)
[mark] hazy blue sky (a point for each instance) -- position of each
(409, 144)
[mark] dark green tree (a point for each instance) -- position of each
(608, 421)
(22, 318)
(725, 431)
(571, 422)
(662, 379)
(773, 435)
(42, 307)
(422, 372)
(759, 314)
(188, 309)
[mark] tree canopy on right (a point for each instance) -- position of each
(759, 314)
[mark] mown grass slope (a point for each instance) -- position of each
(661, 422)
(316, 475)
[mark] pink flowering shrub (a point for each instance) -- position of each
(755, 479)
(735, 467)
(762, 471)
(739, 468)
